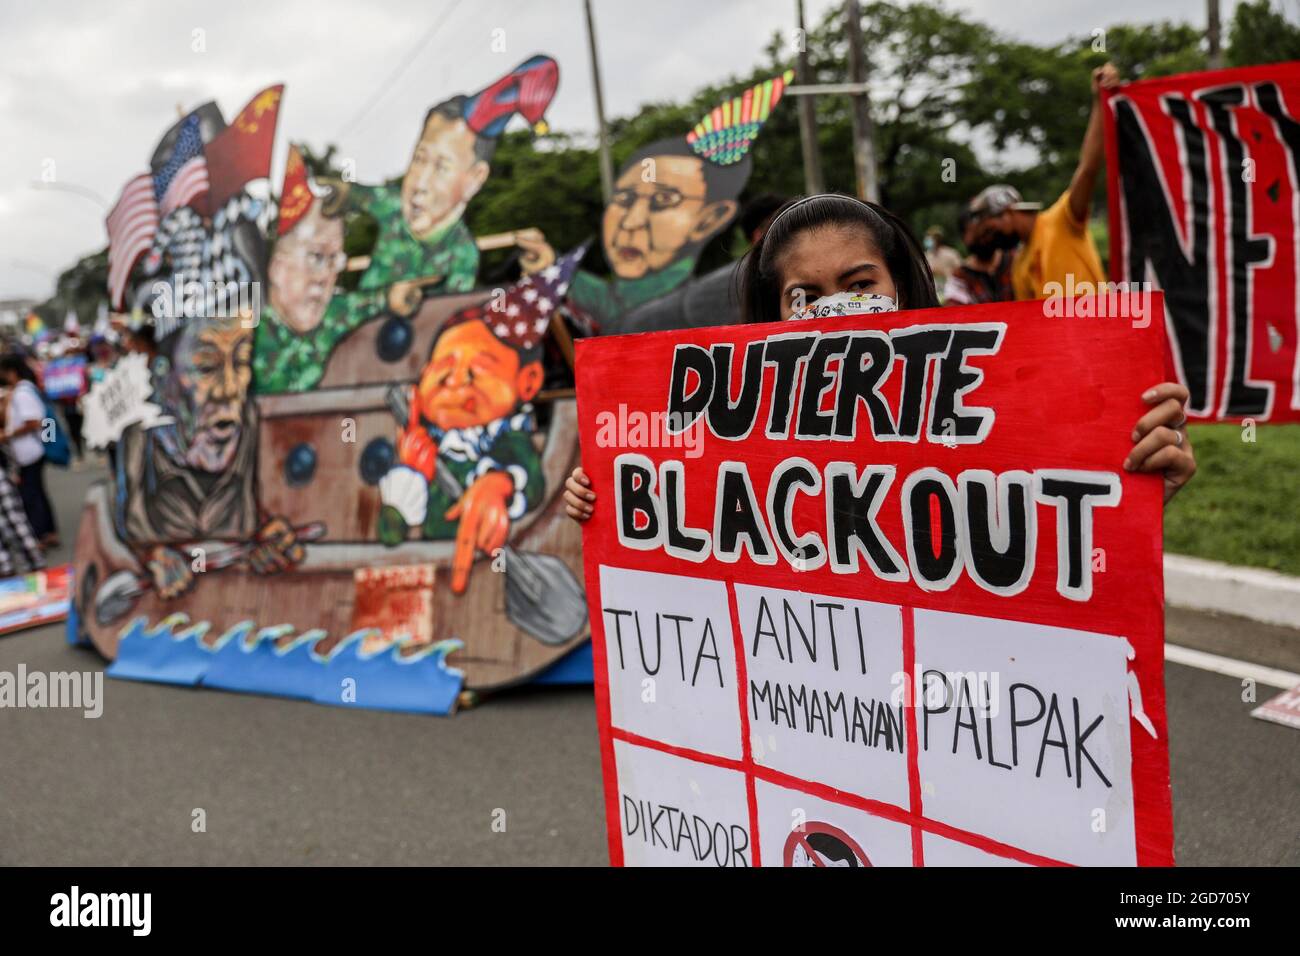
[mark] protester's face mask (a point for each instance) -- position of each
(983, 249)
(846, 303)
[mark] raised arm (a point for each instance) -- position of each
(1093, 152)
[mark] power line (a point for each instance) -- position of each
(85, 192)
(397, 73)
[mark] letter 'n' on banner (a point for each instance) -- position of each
(1204, 183)
(898, 615)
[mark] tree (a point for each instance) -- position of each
(956, 105)
(551, 182)
(80, 289)
(1259, 33)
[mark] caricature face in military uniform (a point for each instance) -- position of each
(446, 171)
(303, 269)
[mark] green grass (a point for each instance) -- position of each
(1243, 506)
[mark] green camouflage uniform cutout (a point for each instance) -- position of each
(607, 300)
(286, 361)
(398, 255)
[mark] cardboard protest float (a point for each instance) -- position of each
(323, 493)
(1205, 204)
(327, 491)
(876, 591)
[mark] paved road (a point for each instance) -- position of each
(288, 782)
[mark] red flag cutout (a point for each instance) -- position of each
(242, 151)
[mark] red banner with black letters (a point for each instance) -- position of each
(1204, 182)
(878, 591)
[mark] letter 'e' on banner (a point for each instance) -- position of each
(1204, 184)
(877, 591)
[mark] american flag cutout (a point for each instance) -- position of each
(185, 175)
(190, 182)
(147, 198)
(522, 315)
(131, 227)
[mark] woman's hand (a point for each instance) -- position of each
(1160, 441)
(578, 497)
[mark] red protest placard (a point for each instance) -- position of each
(1204, 184)
(881, 582)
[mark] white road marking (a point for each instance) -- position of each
(1231, 667)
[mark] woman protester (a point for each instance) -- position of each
(822, 250)
(24, 419)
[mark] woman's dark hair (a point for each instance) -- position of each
(10, 362)
(758, 212)
(760, 292)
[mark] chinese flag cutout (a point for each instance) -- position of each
(296, 197)
(242, 151)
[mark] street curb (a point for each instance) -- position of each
(1260, 595)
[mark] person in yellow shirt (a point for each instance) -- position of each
(1056, 251)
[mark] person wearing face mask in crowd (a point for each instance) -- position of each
(985, 274)
(835, 255)
(1054, 243)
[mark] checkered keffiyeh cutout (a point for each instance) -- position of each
(196, 253)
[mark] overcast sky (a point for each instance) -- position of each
(88, 86)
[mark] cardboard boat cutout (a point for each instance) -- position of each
(503, 618)
(340, 489)
(240, 532)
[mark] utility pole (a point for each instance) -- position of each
(1212, 34)
(812, 160)
(864, 150)
(606, 161)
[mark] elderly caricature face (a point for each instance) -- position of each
(303, 268)
(659, 206)
(443, 176)
(474, 378)
(211, 368)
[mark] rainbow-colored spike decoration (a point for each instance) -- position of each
(725, 134)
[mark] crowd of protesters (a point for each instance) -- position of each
(1017, 249)
(43, 386)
